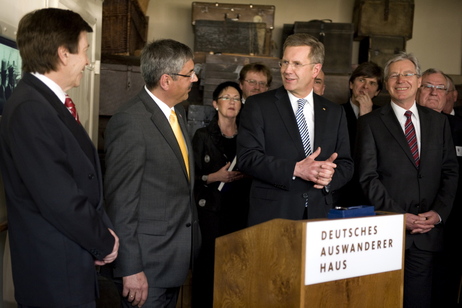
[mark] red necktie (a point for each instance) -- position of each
(411, 138)
(71, 107)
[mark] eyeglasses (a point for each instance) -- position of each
(254, 83)
(226, 98)
(191, 76)
(296, 65)
(405, 76)
(430, 87)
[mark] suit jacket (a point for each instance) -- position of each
(389, 177)
(269, 145)
(148, 194)
(56, 220)
(351, 194)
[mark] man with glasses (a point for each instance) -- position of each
(254, 78)
(407, 164)
(294, 142)
(433, 94)
(149, 180)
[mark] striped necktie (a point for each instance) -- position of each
(411, 137)
(302, 127)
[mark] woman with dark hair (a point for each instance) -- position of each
(221, 191)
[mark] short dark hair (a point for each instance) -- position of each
(224, 85)
(42, 32)
(257, 68)
(303, 39)
(368, 70)
(161, 57)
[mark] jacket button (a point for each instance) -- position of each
(91, 176)
(202, 202)
(188, 225)
(305, 195)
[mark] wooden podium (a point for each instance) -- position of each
(264, 266)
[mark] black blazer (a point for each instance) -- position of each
(389, 177)
(351, 194)
(269, 145)
(56, 221)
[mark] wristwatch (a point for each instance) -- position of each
(205, 178)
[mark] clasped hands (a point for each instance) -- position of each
(423, 222)
(318, 172)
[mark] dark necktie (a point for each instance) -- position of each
(302, 127)
(411, 138)
(71, 107)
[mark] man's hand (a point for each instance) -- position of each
(113, 255)
(318, 172)
(136, 289)
(365, 104)
(421, 223)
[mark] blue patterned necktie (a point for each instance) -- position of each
(302, 127)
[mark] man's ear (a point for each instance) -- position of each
(165, 81)
(63, 54)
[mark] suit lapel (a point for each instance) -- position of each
(160, 121)
(75, 128)
(426, 124)
(320, 120)
(284, 107)
(391, 122)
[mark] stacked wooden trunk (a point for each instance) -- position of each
(228, 36)
(382, 27)
(336, 37)
(232, 28)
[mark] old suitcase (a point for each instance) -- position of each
(229, 36)
(241, 13)
(221, 68)
(124, 27)
(380, 49)
(383, 17)
(338, 43)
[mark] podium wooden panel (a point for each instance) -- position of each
(264, 266)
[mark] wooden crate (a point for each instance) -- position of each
(224, 14)
(383, 17)
(124, 27)
(380, 49)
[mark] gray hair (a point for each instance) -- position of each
(432, 71)
(400, 57)
(161, 57)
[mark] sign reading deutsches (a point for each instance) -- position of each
(345, 248)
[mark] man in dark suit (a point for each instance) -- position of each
(433, 94)
(149, 180)
(57, 225)
(365, 84)
(420, 183)
(287, 180)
